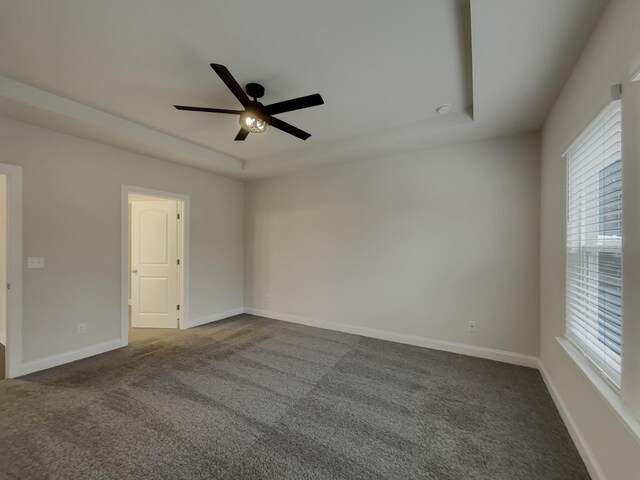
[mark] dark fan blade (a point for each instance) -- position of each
(290, 129)
(294, 104)
(231, 83)
(242, 134)
(206, 109)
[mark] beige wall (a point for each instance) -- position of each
(3, 259)
(80, 239)
(417, 245)
(605, 62)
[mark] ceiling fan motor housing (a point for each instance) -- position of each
(255, 90)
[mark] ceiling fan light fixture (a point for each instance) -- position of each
(253, 123)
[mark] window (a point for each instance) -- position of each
(594, 242)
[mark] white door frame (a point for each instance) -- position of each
(14, 269)
(124, 248)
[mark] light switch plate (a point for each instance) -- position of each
(35, 262)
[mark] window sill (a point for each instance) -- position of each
(608, 394)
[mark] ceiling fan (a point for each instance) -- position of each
(256, 117)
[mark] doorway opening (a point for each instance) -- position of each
(10, 271)
(156, 255)
(3, 274)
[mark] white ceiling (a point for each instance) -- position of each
(111, 71)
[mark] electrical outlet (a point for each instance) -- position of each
(81, 328)
(471, 326)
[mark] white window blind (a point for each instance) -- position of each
(594, 242)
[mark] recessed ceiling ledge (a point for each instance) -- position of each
(89, 122)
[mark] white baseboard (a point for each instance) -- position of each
(578, 439)
(68, 357)
(213, 318)
(461, 348)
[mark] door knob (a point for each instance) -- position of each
(134, 271)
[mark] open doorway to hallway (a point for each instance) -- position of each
(3, 273)
(156, 264)
(10, 270)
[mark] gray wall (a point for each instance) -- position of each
(71, 216)
(417, 244)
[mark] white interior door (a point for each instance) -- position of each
(154, 269)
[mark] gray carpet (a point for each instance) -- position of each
(252, 398)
